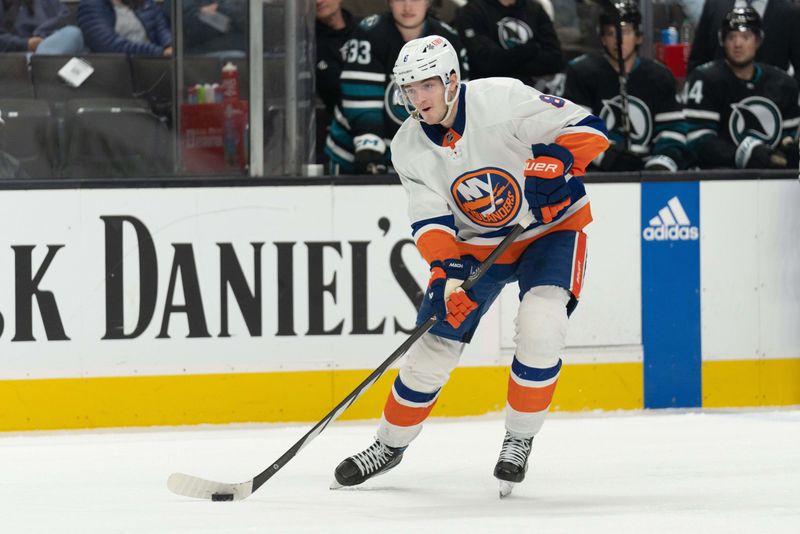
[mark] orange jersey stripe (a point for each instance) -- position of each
(584, 147)
(528, 400)
(576, 222)
(437, 245)
(399, 415)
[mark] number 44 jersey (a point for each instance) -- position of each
(465, 184)
(723, 110)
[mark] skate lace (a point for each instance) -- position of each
(373, 458)
(515, 450)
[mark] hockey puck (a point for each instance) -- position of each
(222, 496)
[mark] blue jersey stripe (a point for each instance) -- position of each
(444, 220)
(593, 122)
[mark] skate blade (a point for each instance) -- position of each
(506, 488)
(335, 485)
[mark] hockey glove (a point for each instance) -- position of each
(789, 147)
(370, 162)
(617, 159)
(752, 153)
(546, 188)
(370, 154)
(450, 302)
(661, 162)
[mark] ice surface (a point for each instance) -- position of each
(706, 472)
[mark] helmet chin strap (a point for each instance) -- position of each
(449, 105)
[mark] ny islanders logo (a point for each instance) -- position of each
(490, 197)
(755, 116)
(513, 32)
(393, 103)
(639, 113)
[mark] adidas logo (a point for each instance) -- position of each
(671, 224)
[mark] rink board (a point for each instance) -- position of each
(152, 306)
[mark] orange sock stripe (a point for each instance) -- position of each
(525, 399)
(399, 415)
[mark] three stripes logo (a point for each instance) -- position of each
(671, 224)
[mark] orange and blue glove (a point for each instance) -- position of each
(450, 303)
(546, 188)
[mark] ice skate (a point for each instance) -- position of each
(512, 463)
(375, 460)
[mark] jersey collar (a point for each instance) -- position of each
(442, 136)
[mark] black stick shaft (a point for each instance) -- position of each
(623, 88)
(340, 408)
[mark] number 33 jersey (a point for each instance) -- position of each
(465, 184)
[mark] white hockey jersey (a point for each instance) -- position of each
(465, 184)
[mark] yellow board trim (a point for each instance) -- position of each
(283, 397)
(739, 383)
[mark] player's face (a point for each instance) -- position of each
(740, 47)
(427, 96)
(326, 8)
(630, 40)
(409, 13)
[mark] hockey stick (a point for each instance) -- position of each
(623, 87)
(191, 486)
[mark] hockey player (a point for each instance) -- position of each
(371, 110)
(513, 38)
(474, 158)
(741, 113)
(657, 127)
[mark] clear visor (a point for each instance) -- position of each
(412, 94)
(415, 93)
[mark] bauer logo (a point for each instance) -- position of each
(671, 224)
(489, 197)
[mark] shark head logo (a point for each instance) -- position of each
(755, 116)
(393, 103)
(513, 32)
(640, 117)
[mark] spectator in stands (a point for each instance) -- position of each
(656, 139)
(781, 21)
(38, 26)
(742, 113)
(213, 27)
(134, 27)
(512, 38)
(334, 27)
(371, 106)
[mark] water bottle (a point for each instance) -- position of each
(669, 36)
(230, 82)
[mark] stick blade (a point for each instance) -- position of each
(199, 488)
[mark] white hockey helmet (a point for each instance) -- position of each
(424, 58)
